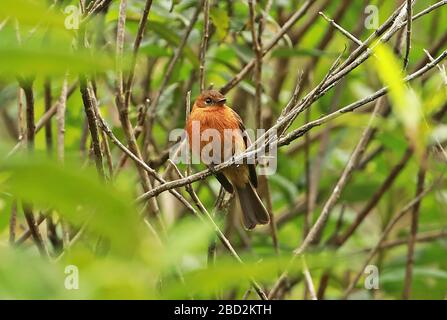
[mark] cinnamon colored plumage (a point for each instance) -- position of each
(211, 112)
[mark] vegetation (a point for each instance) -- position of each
(93, 206)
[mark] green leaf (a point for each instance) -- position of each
(173, 39)
(406, 104)
(76, 194)
(47, 54)
(221, 21)
(153, 50)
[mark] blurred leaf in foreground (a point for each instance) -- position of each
(227, 273)
(406, 104)
(25, 276)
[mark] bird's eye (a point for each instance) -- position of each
(208, 101)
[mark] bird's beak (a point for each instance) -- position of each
(223, 100)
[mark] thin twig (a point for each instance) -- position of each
(20, 117)
(374, 200)
(204, 213)
(60, 138)
(283, 63)
(308, 279)
(309, 185)
(34, 230)
(122, 104)
(257, 48)
(303, 129)
(46, 117)
(329, 83)
(136, 47)
(60, 115)
(47, 102)
(120, 46)
(26, 85)
(140, 163)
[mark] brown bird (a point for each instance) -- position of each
(211, 112)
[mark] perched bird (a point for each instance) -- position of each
(211, 112)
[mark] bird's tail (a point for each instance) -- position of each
(253, 210)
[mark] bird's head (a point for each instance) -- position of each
(210, 98)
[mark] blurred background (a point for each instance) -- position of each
(90, 91)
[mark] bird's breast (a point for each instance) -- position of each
(214, 132)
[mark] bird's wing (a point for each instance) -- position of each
(251, 166)
(224, 182)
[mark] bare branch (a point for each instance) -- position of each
(89, 107)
